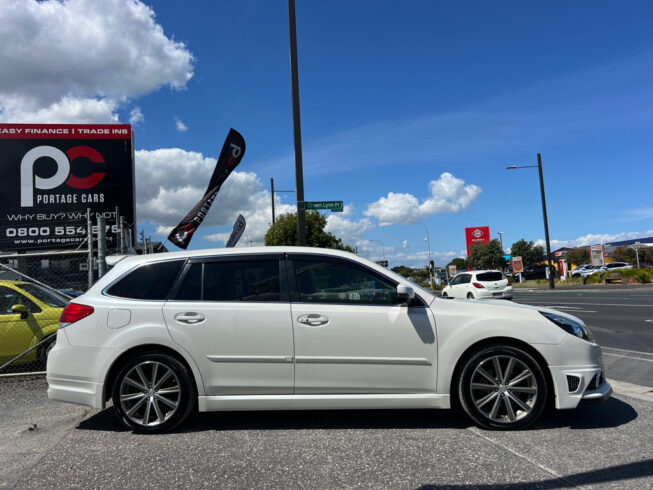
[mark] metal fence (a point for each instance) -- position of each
(34, 289)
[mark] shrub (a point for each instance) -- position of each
(644, 278)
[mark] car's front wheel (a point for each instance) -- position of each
(153, 392)
(502, 387)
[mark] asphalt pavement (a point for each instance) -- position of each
(597, 446)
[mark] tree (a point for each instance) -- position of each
(402, 270)
(486, 256)
(529, 252)
(578, 256)
(284, 232)
(626, 254)
(459, 263)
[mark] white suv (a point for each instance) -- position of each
(278, 328)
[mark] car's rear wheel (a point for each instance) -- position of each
(45, 349)
(153, 392)
(470, 296)
(502, 387)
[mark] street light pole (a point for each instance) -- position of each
(546, 223)
(299, 170)
(501, 240)
(549, 262)
(272, 191)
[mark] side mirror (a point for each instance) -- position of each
(22, 309)
(404, 294)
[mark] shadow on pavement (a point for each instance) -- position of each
(612, 413)
(614, 473)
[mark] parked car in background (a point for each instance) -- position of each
(534, 272)
(297, 328)
(591, 270)
(29, 313)
(615, 266)
(577, 270)
(479, 285)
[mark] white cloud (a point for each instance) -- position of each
(405, 244)
(181, 127)
(350, 231)
(136, 116)
(170, 181)
(448, 195)
(76, 61)
(596, 239)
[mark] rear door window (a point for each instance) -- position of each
(241, 280)
(148, 282)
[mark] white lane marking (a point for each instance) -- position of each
(629, 351)
(632, 390)
(592, 304)
(574, 309)
(649, 321)
(623, 356)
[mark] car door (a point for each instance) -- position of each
(352, 336)
(233, 316)
(17, 333)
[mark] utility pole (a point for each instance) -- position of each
(143, 251)
(299, 170)
(549, 262)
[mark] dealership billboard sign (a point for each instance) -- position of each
(477, 235)
(51, 174)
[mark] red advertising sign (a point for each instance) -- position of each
(517, 265)
(477, 235)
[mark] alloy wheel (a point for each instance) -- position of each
(150, 394)
(503, 388)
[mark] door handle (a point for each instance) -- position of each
(190, 318)
(313, 320)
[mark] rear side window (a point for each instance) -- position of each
(490, 276)
(247, 280)
(150, 282)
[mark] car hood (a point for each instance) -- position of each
(509, 306)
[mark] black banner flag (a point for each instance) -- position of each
(239, 228)
(230, 156)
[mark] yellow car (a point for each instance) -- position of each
(28, 314)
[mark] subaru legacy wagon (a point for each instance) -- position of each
(290, 328)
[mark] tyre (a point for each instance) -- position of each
(153, 393)
(470, 296)
(445, 295)
(502, 387)
(44, 350)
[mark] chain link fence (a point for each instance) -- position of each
(34, 289)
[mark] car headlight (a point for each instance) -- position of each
(570, 326)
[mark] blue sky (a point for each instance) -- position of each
(410, 111)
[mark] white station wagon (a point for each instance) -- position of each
(278, 328)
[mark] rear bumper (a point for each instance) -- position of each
(76, 374)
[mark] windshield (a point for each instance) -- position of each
(43, 295)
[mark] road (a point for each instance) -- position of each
(620, 318)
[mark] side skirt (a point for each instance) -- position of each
(320, 402)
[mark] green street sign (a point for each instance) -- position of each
(333, 206)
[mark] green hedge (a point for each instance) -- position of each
(642, 276)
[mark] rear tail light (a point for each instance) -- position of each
(478, 285)
(74, 312)
(509, 283)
